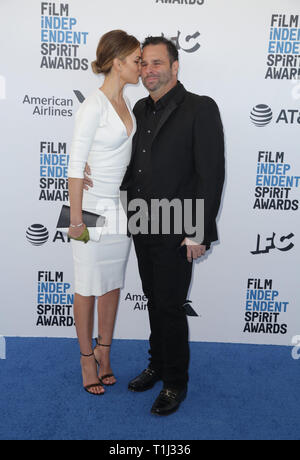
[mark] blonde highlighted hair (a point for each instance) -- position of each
(114, 44)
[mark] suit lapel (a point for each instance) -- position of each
(140, 113)
(167, 113)
(171, 107)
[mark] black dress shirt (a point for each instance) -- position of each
(178, 153)
(141, 172)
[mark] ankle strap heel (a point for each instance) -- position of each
(98, 344)
(92, 386)
(103, 377)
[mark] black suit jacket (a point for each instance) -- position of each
(187, 155)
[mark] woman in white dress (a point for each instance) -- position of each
(103, 133)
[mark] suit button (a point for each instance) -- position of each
(149, 131)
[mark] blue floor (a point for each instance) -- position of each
(236, 392)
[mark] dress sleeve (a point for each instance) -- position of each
(87, 121)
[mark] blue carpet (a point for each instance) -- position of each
(236, 392)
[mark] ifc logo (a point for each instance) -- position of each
(261, 115)
(37, 234)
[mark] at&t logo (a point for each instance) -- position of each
(38, 234)
(261, 115)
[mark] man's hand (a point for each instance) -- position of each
(194, 250)
(87, 182)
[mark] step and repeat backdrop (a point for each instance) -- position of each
(245, 55)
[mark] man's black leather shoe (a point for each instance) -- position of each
(168, 401)
(146, 380)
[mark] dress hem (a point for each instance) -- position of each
(118, 285)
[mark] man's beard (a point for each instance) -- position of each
(161, 81)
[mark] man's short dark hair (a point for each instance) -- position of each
(172, 50)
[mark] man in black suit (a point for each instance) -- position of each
(178, 153)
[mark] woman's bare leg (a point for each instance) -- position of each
(107, 310)
(84, 320)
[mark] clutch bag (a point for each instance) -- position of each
(93, 221)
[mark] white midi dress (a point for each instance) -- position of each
(100, 138)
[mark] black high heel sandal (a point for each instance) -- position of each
(93, 385)
(98, 344)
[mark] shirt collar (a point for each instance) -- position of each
(163, 101)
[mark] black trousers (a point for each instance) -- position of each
(166, 278)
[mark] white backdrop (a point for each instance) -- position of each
(245, 55)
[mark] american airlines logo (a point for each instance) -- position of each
(79, 95)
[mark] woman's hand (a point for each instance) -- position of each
(76, 232)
